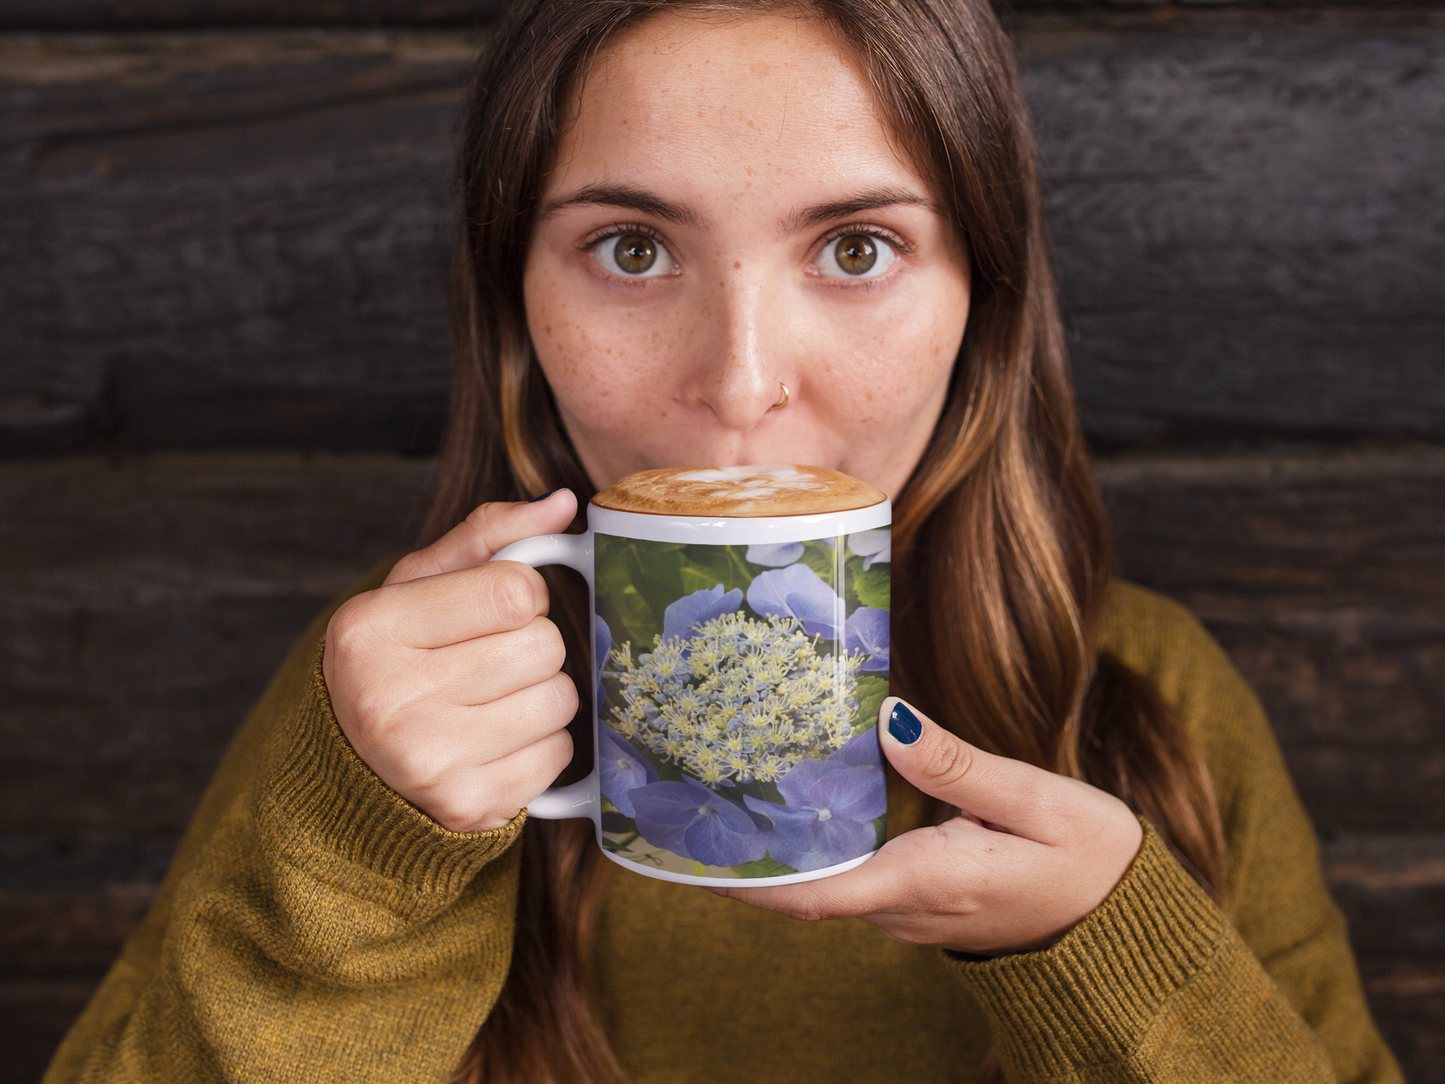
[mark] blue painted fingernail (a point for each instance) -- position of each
(903, 724)
(543, 497)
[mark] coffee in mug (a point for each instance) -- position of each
(741, 649)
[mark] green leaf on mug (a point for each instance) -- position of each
(872, 691)
(766, 866)
(635, 583)
(707, 566)
(821, 558)
(871, 585)
(617, 823)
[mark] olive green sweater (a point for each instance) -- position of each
(314, 926)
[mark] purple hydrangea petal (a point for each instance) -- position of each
(873, 546)
(831, 807)
(798, 782)
(724, 835)
(664, 811)
(796, 591)
(855, 794)
(867, 630)
(700, 607)
(825, 843)
(601, 648)
(693, 822)
(860, 751)
(621, 769)
(784, 817)
(601, 642)
(775, 556)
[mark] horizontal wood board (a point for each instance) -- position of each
(132, 14)
(226, 240)
(148, 14)
(144, 602)
(237, 240)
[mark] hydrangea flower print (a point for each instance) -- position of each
(601, 648)
(866, 630)
(698, 608)
(774, 556)
(743, 700)
(861, 751)
(622, 769)
(829, 815)
(875, 547)
(727, 733)
(797, 592)
(692, 821)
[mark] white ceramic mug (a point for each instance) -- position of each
(740, 664)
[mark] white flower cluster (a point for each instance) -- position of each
(743, 699)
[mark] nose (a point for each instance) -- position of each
(738, 364)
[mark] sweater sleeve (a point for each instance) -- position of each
(1159, 983)
(314, 925)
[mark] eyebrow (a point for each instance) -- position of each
(866, 201)
(626, 196)
(636, 199)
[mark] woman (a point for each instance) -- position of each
(730, 233)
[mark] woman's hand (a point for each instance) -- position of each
(1030, 855)
(446, 679)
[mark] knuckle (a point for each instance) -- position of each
(805, 907)
(565, 700)
(408, 568)
(345, 630)
(418, 765)
(545, 644)
(557, 754)
(512, 593)
(810, 912)
(949, 762)
(483, 515)
(372, 712)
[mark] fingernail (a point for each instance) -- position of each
(903, 724)
(543, 497)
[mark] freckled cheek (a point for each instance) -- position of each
(604, 367)
(893, 369)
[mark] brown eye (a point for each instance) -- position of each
(634, 253)
(856, 254)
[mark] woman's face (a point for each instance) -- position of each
(727, 214)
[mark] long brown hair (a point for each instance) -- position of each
(1001, 553)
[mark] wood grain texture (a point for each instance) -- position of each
(1324, 576)
(222, 240)
(144, 605)
(1392, 890)
(34, 1016)
(1248, 228)
(154, 14)
(235, 240)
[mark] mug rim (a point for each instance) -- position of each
(736, 530)
(732, 882)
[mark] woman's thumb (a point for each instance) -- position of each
(945, 766)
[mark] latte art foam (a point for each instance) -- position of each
(745, 491)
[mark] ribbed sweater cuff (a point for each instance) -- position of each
(323, 794)
(1091, 997)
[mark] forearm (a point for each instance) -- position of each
(1155, 985)
(323, 929)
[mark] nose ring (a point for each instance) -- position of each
(782, 399)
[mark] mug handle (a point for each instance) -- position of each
(578, 799)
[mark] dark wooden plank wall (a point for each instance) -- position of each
(221, 268)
